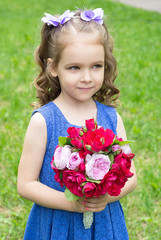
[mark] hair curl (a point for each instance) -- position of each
(52, 44)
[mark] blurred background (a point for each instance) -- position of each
(137, 48)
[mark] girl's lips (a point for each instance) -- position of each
(85, 88)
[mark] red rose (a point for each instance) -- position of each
(98, 140)
(73, 132)
(90, 189)
(124, 162)
(101, 190)
(90, 124)
(81, 167)
(83, 153)
(109, 137)
(114, 190)
(112, 183)
(77, 143)
(92, 139)
(72, 180)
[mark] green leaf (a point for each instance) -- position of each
(102, 152)
(111, 157)
(61, 175)
(121, 143)
(64, 141)
(125, 142)
(92, 180)
(70, 196)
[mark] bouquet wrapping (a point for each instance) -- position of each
(91, 161)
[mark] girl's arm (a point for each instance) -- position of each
(29, 168)
(98, 204)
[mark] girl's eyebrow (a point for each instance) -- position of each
(98, 61)
(78, 63)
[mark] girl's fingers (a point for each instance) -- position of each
(89, 207)
(92, 200)
(96, 200)
(97, 205)
(94, 209)
(92, 204)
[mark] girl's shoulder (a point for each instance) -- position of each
(45, 115)
(36, 130)
(46, 111)
(43, 109)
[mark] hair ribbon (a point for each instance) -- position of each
(96, 15)
(55, 21)
(88, 15)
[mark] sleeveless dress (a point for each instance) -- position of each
(52, 224)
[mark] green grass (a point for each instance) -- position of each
(137, 48)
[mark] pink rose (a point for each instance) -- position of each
(74, 161)
(126, 149)
(116, 147)
(73, 180)
(90, 189)
(88, 158)
(61, 157)
(97, 166)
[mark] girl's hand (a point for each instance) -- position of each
(79, 205)
(96, 204)
(91, 204)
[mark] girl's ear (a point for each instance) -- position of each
(52, 69)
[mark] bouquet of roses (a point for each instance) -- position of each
(90, 162)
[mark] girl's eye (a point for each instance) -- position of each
(73, 68)
(97, 66)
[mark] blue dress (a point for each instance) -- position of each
(52, 224)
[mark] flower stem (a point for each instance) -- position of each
(87, 219)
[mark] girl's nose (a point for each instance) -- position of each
(86, 76)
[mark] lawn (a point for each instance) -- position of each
(138, 52)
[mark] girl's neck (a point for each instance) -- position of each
(77, 112)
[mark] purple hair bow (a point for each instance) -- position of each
(96, 15)
(55, 21)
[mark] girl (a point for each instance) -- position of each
(77, 71)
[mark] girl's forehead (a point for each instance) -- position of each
(82, 51)
(81, 37)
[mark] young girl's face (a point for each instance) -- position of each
(81, 67)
